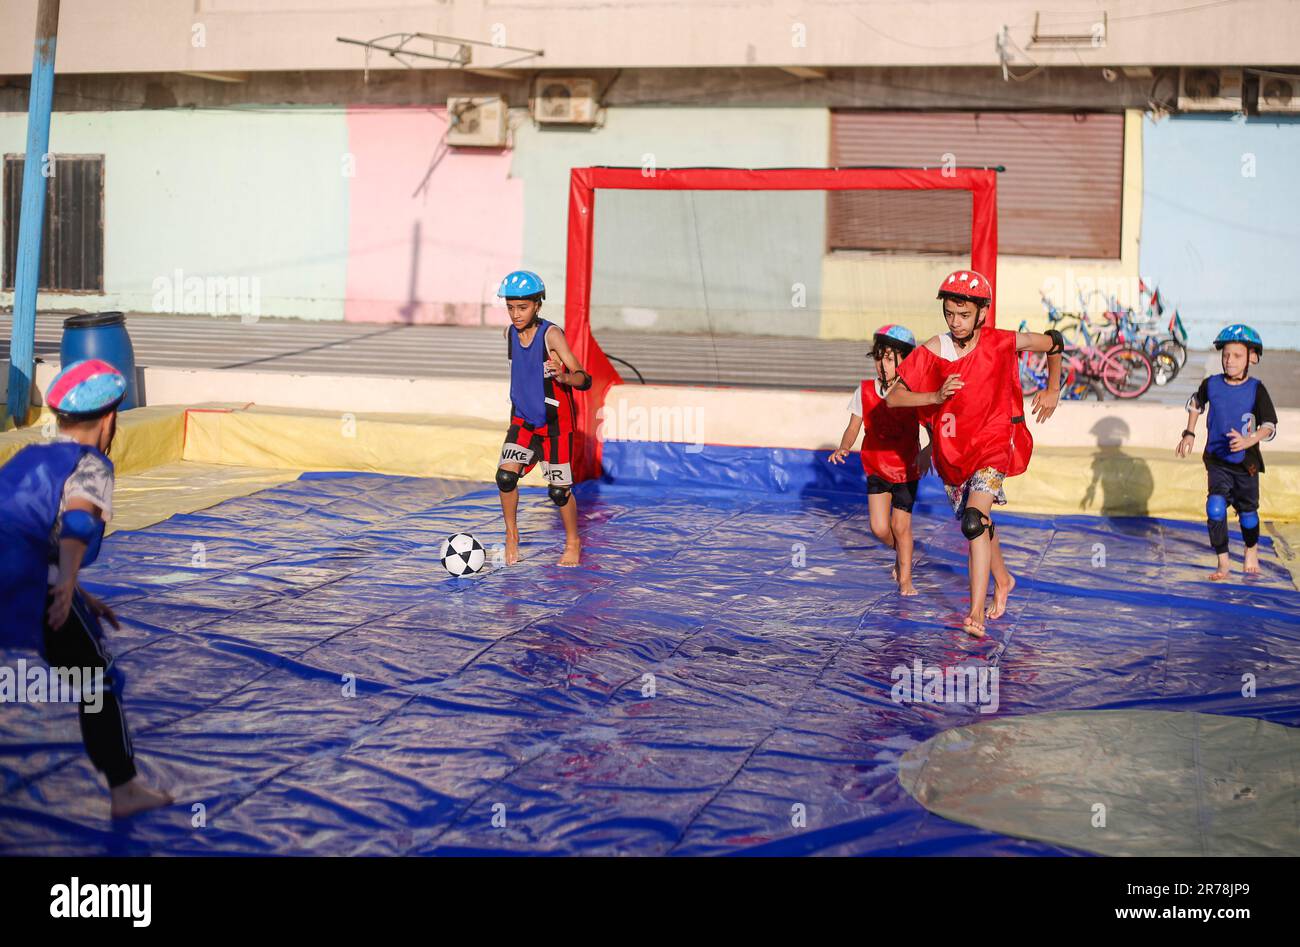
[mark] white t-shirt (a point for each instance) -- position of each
(855, 403)
(91, 480)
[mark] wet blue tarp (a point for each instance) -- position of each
(514, 712)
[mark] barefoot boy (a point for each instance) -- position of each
(890, 450)
(968, 378)
(1241, 416)
(543, 376)
(54, 499)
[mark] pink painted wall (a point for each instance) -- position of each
(431, 229)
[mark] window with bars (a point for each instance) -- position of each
(72, 245)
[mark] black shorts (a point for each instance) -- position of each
(904, 494)
(1241, 489)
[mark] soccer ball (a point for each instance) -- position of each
(462, 554)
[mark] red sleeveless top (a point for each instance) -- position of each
(983, 424)
(892, 440)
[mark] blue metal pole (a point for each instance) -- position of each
(31, 222)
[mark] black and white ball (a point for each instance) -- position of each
(462, 554)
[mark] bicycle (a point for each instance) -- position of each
(1122, 370)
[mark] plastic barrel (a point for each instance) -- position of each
(101, 335)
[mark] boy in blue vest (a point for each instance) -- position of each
(1241, 416)
(54, 499)
(543, 376)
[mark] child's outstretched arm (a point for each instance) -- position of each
(562, 358)
(851, 432)
(900, 396)
(1045, 400)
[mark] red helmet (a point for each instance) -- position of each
(966, 284)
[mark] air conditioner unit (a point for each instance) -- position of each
(1205, 89)
(565, 101)
(476, 121)
(1278, 94)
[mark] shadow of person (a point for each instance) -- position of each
(1125, 481)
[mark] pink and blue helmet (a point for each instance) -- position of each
(899, 337)
(86, 389)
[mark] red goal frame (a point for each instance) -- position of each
(584, 182)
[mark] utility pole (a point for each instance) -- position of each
(31, 222)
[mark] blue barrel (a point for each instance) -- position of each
(101, 335)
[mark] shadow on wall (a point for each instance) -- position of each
(1125, 481)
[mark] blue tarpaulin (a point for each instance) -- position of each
(719, 676)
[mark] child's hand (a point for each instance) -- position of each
(839, 455)
(99, 608)
(1238, 441)
(951, 385)
(61, 604)
(1185, 445)
(552, 366)
(1044, 403)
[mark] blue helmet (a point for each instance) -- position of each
(900, 337)
(86, 389)
(522, 284)
(1243, 334)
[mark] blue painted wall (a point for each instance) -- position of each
(1222, 244)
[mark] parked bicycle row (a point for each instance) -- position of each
(1120, 352)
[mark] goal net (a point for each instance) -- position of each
(729, 276)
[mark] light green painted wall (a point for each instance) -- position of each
(660, 255)
(232, 193)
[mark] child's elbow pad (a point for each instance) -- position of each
(78, 524)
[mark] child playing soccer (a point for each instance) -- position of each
(54, 499)
(1241, 416)
(968, 379)
(890, 450)
(543, 376)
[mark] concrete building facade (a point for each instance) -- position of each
(250, 161)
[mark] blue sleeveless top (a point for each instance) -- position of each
(527, 384)
(1232, 408)
(31, 492)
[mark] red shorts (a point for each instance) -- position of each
(527, 445)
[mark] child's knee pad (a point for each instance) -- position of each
(507, 480)
(559, 495)
(1216, 513)
(973, 524)
(1249, 528)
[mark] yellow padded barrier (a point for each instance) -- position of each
(301, 439)
(146, 437)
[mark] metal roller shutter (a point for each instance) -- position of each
(1060, 196)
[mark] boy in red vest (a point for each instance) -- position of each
(968, 383)
(890, 450)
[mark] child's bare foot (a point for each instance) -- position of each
(1221, 573)
(1252, 560)
(134, 797)
(974, 624)
(1000, 595)
(906, 587)
(512, 549)
(572, 552)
